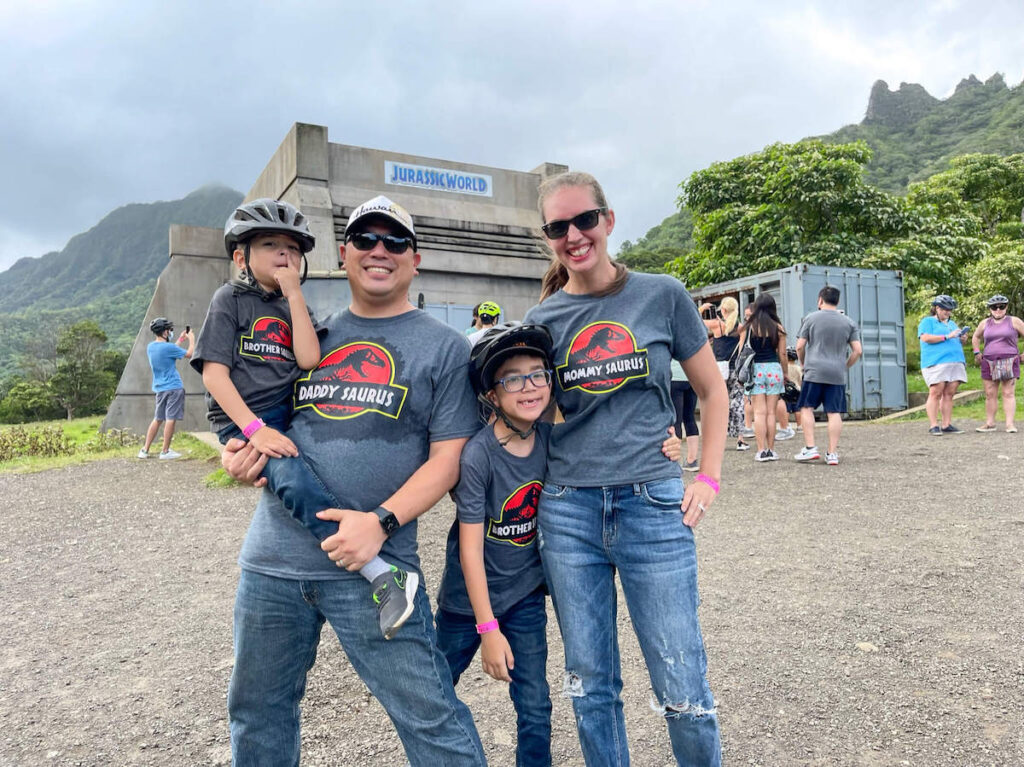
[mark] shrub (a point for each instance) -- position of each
(46, 442)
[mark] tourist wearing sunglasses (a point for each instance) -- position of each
(611, 503)
(996, 348)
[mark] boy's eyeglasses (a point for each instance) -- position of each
(369, 240)
(998, 307)
(586, 220)
(516, 383)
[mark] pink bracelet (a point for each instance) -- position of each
(707, 481)
(483, 628)
(252, 428)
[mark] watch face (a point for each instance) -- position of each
(388, 521)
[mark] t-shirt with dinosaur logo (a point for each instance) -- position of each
(612, 359)
(253, 338)
(501, 490)
(363, 421)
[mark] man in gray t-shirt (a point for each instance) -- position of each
(827, 344)
(382, 419)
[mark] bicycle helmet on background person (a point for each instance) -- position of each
(997, 299)
(265, 216)
(944, 302)
(499, 344)
(488, 311)
(160, 325)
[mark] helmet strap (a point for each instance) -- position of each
(493, 406)
(250, 279)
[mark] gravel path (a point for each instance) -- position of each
(866, 614)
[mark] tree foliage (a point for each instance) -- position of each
(84, 382)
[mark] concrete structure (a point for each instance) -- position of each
(477, 226)
(872, 298)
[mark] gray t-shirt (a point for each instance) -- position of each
(253, 338)
(828, 335)
(501, 490)
(611, 359)
(364, 419)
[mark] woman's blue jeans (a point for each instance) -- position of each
(277, 630)
(587, 534)
(525, 627)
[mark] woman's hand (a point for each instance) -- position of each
(243, 462)
(672, 447)
(496, 654)
(696, 501)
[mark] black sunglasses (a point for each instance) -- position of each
(997, 306)
(369, 240)
(586, 220)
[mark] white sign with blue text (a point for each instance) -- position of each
(437, 179)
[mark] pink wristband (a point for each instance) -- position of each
(483, 628)
(707, 481)
(252, 428)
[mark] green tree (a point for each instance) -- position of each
(28, 400)
(83, 384)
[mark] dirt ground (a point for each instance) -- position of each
(865, 614)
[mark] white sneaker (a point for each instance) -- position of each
(832, 459)
(170, 455)
(772, 455)
(807, 454)
(781, 435)
(143, 453)
(762, 456)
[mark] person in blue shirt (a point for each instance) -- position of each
(167, 384)
(942, 363)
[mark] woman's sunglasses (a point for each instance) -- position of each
(369, 240)
(998, 307)
(586, 220)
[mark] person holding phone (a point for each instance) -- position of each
(943, 364)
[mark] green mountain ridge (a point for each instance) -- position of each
(912, 135)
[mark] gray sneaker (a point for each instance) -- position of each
(935, 431)
(781, 435)
(394, 593)
(746, 431)
(691, 466)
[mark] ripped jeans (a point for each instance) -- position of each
(586, 535)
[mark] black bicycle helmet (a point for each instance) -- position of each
(944, 302)
(500, 343)
(161, 325)
(997, 299)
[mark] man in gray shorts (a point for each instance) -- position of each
(167, 383)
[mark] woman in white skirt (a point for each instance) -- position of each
(942, 363)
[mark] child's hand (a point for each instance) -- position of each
(496, 655)
(288, 280)
(672, 447)
(273, 443)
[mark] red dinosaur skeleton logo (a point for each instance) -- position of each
(601, 358)
(269, 339)
(517, 524)
(354, 379)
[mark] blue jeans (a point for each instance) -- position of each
(292, 479)
(525, 627)
(277, 630)
(586, 534)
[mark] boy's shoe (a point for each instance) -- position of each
(807, 454)
(986, 428)
(393, 593)
(746, 431)
(741, 445)
(170, 455)
(781, 435)
(832, 459)
(691, 466)
(762, 456)
(951, 429)
(772, 455)
(145, 453)
(935, 431)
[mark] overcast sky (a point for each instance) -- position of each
(106, 103)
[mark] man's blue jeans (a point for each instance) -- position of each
(525, 627)
(586, 535)
(292, 479)
(277, 630)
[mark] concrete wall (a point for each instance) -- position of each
(196, 268)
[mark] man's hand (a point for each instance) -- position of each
(243, 462)
(288, 280)
(271, 442)
(358, 539)
(496, 654)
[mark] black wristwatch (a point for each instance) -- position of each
(388, 521)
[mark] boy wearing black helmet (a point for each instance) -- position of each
(258, 338)
(167, 383)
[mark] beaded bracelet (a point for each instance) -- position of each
(708, 481)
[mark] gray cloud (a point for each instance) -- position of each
(107, 103)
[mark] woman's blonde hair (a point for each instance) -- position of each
(557, 275)
(730, 309)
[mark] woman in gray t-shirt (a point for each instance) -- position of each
(611, 502)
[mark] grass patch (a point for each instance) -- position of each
(220, 479)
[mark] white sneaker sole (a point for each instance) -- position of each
(412, 582)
